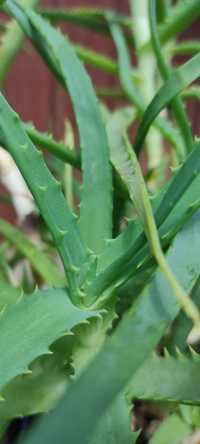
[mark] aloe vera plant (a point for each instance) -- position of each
(102, 317)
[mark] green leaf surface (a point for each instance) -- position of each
(92, 18)
(154, 381)
(165, 71)
(9, 294)
(97, 178)
(181, 16)
(171, 209)
(58, 149)
(47, 193)
(115, 426)
(172, 430)
(183, 189)
(186, 47)
(36, 392)
(28, 328)
(131, 89)
(123, 352)
(38, 259)
(178, 81)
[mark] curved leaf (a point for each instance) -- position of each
(38, 259)
(176, 104)
(97, 178)
(115, 426)
(29, 327)
(173, 430)
(178, 81)
(122, 353)
(154, 380)
(131, 90)
(47, 193)
(181, 16)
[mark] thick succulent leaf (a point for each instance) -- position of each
(58, 149)
(182, 191)
(36, 392)
(123, 352)
(131, 90)
(165, 72)
(9, 294)
(193, 92)
(171, 209)
(115, 426)
(181, 16)
(89, 337)
(178, 81)
(39, 391)
(38, 259)
(28, 328)
(97, 177)
(47, 193)
(154, 381)
(90, 17)
(173, 430)
(170, 206)
(128, 167)
(186, 47)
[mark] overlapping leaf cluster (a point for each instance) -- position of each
(83, 347)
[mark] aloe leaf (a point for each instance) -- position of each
(36, 392)
(38, 259)
(173, 430)
(181, 194)
(186, 47)
(126, 164)
(116, 363)
(50, 375)
(178, 81)
(47, 193)
(131, 90)
(58, 149)
(9, 294)
(39, 390)
(60, 55)
(184, 181)
(97, 60)
(181, 16)
(115, 426)
(176, 103)
(28, 328)
(93, 18)
(154, 380)
(178, 18)
(129, 169)
(191, 93)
